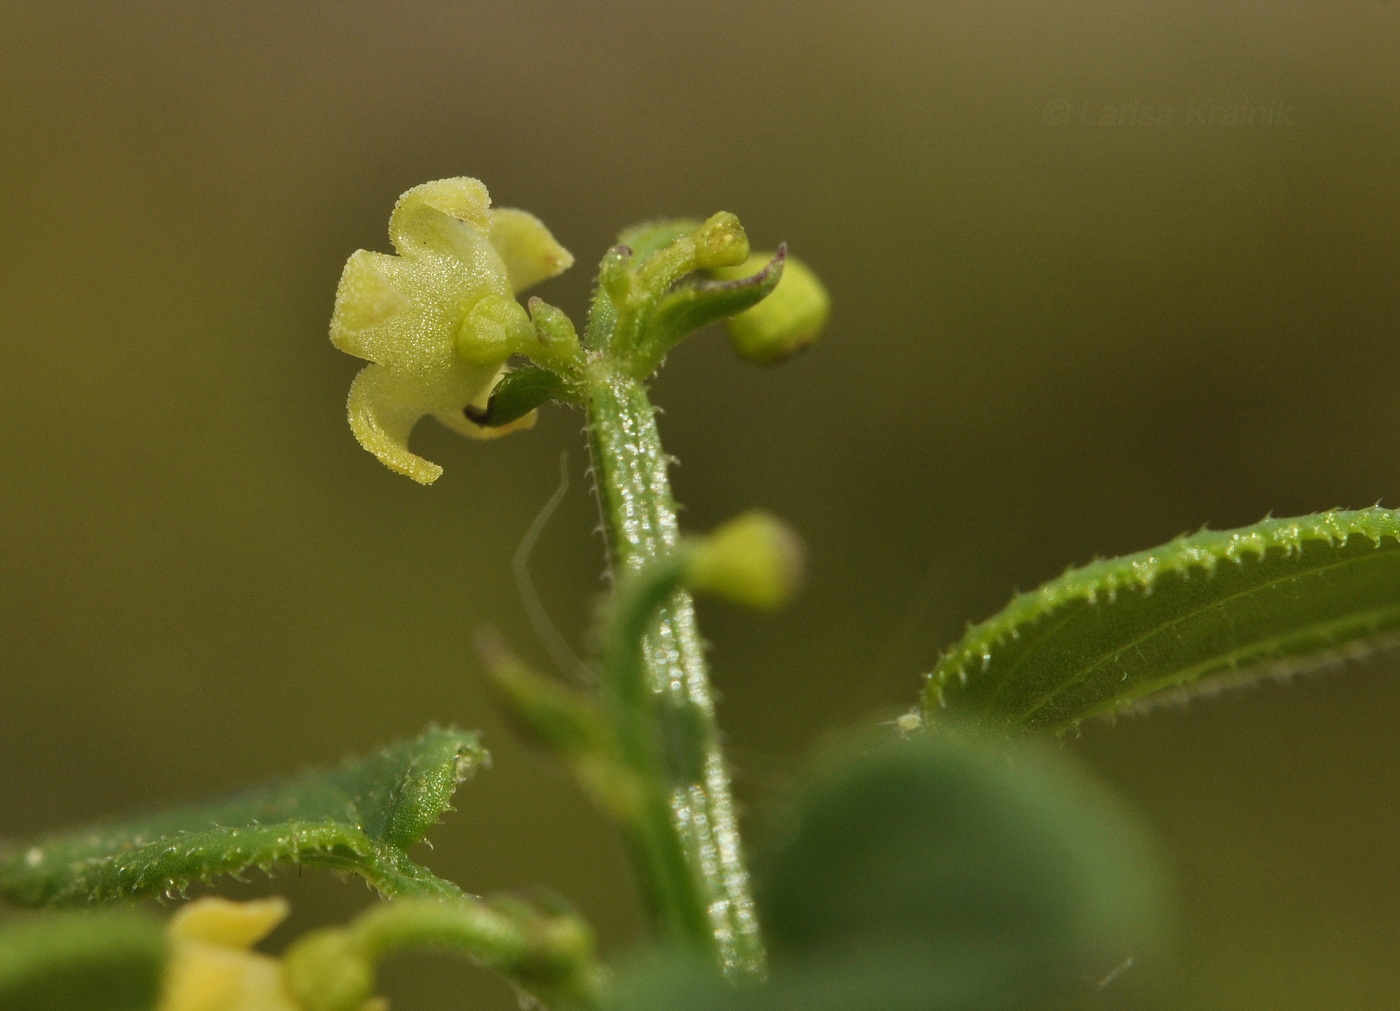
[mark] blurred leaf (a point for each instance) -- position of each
(90, 961)
(545, 711)
(361, 817)
(934, 863)
(1198, 614)
(889, 978)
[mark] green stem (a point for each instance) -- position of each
(642, 732)
(546, 953)
(689, 816)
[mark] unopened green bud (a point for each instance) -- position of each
(615, 274)
(328, 970)
(754, 560)
(718, 241)
(493, 330)
(553, 326)
(721, 242)
(787, 320)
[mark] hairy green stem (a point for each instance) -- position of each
(646, 744)
(686, 775)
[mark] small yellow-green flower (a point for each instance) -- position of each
(212, 966)
(439, 320)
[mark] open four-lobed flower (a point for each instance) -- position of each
(438, 321)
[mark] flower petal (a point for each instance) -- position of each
(446, 217)
(365, 300)
(382, 423)
(210, 968)
(227, 923)
(530, 252)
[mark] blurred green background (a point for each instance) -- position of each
(1051, 339)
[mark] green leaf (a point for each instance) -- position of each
(885, 979)
(109, 961)
(697, 302)
(1198, 614)
(955, 854)
(939, 874)
(518, 393)
(361, 818)
(545, 711)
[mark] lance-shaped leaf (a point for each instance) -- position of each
(361, 818)
(698, 301)
(1195, 615)
(517, 394)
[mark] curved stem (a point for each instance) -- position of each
(686, 773)
(546, 953)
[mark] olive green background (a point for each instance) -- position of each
(1050, 339)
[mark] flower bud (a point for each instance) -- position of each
(213, 967)
(754, 560)
(326, 970)
(615, 275)
(493, 330)
(787, 320)
(553, 328)
(721, 242)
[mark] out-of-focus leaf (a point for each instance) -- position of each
(109, 961)
(891, 978)
(361, 817)
(934, 859)
(1195, 615)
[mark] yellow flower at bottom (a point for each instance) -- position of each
(439, 320)
(211, 967)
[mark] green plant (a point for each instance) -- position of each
(947, 862)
